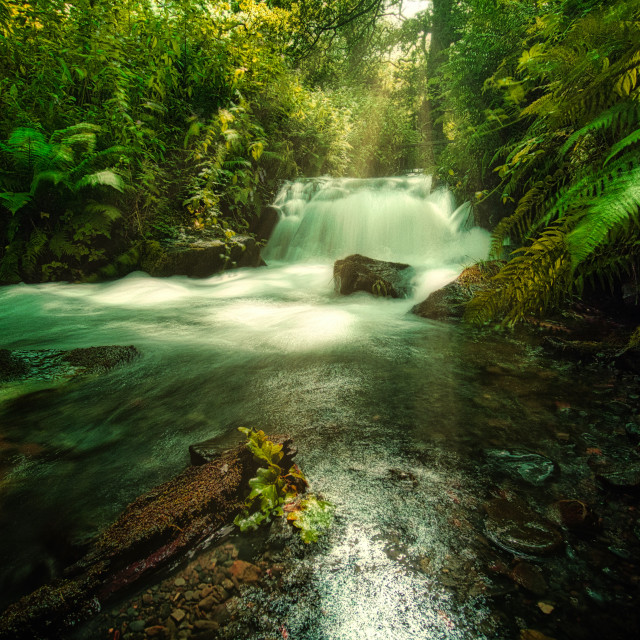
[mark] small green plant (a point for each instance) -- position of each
(274, 493)
(379, 288)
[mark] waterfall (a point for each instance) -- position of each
(399, 219)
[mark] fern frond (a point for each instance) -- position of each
(27, 147)
(616, 208)
(612, 120)
(15, 201)
(105, 178)
(33, 249)
(631, 139)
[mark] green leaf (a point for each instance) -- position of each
(105, 178)
(15, 201)
(314, 517)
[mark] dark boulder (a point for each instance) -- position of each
(11, 367)
(199, 257)
(97, 359)
(449, 302)
(263, 225)
(378, 277)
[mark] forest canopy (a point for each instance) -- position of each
(124, 121)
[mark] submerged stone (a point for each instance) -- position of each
(512, 526)
(529, 577)
(378, 277)
(575, 515)
(522, 465)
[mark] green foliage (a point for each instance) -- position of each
(202, 99)
(274, 492)
(48, 201)
(564, 140)
(312, 517)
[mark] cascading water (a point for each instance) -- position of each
(396, 219)
(390, 414)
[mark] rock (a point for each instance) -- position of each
(52, 364)
(156, 630)
(263, 225)
(575, 515)
(11, 368)
(529, 577)
(220, 614)
(245, 571)
(206, 625)
(147, 599)
(95, 359)
(199, 256)
(206, 604)
(178, 615)
(219, 594)
(513, 527)
(190, 595)
(179, 582)
(137, 625)
(522, 465)
(359, 273)
(449, 302)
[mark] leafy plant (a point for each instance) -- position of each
(53, 195)
(274, 492)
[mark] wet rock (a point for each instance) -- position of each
(11, 368)
(522, 465)
(263, 225)
(449, 302)
(529, 577)
(206, 604)
(198, 256)
(444, 304)
(245, 571)
(179, 582)
(512, 526)
(156, 631)
(359, 273)
(575, 515)
(96, 359)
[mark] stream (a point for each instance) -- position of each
(408, 426)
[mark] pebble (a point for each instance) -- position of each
(156, 630)
(137, 625)
(178, 615)
(179, 582)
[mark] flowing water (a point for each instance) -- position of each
(391, 414)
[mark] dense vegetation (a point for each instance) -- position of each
(123, 121)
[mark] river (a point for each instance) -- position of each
(392, 414)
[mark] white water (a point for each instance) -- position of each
(394, 219)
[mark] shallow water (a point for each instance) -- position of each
(391, 415)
